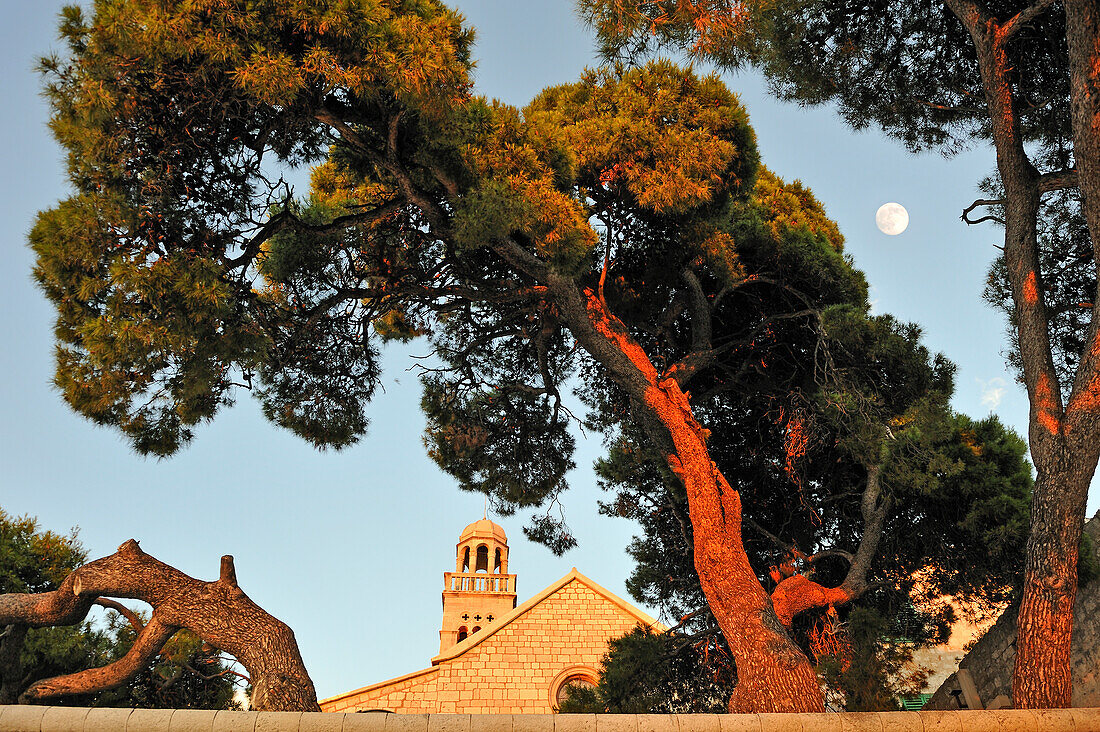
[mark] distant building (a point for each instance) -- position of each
(494, 657)
(984, 676)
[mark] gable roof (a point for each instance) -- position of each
(573, 576)
(520, 611)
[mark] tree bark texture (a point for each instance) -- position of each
(1064, 441)
(219, 612)
(1041, 677)
(773, 674)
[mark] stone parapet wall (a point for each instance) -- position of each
(81, 719)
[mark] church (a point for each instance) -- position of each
(499, 658)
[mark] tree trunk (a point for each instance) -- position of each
(1041, 677)
(773, 674)
(1062, 441)
(218, 612)
(1068, 448)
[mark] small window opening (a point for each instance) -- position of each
(466, 560)
(496, 563)
(476, 629)
(482, 559)
(462, 634)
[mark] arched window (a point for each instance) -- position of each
(482, 559)
(496, 563)
(573, 682)
(466, 559)
(572, 677)
(462, 634)
(476, 629)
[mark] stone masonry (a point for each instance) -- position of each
(516, 668)
(986, 671)
(31, 718)
(496, 658)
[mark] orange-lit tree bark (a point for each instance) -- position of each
(1063, 437)
(1018, 73)
(219, 612)
(773, 674)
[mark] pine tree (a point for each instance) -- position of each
(939, 74)
(600, 230)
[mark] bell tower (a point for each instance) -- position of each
(480, 591)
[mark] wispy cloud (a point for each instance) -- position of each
(993, 391)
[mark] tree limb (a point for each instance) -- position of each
(211, 677)
(286, 220)
(779, 543)
(1023, 18)
(797, 594)
(982, 202)
(146, 647)
(122, 610)
(390, 163)
(827, 553)
(875, 509)
(218, 612)
(1057, 180)
(700, 311)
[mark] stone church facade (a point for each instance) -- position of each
(495, 657)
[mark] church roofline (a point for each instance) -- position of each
(387, 682)
(485, 633)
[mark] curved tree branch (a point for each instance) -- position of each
(219, 612)
(122, 610)
(1021, 20)
(982, 202)
(146, 647)
(797, 594)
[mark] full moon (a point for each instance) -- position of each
(892, 218)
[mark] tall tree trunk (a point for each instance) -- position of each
(1066, 451)
(1063, 440)
(773, 674)
(218, 612)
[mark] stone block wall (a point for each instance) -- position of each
(78, 719)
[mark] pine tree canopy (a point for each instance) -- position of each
(906, 66)
(183, 267)
(618, 232)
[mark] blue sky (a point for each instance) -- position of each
(349, 548)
